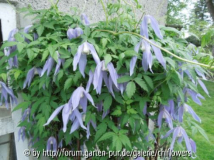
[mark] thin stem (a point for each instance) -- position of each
(84, 7)
(182, 59)
(57, 3)
(104, 11)
(139, 20)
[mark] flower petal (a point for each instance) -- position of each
(93, 52)
(77, 57)
(65, 116)
(159, 56)
(113, 73)
(74, 126)
(82, 64)
(203, 86)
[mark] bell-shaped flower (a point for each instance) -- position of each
(85, 19)
(195, 96)
(100, 73)
(5, 91)
(100, 109)
(144, 26)
(170, 107)
(48, 66)
(13, 62)
(201, 74)
(77, 120)
(80, 97)
(139, 158)
(180, 133)
(193, 145)
(91, 75)
(164, 114)
(74, 33)
(88, 128)
(21, 133)
(51, 144)
(134, 58)
(80, 57)
(30, 75)
(203, 86)
(187, 108)
(60, 62)
(26, 114)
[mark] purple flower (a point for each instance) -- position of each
(88, 128)
(134, 59)
(187, 108)
(13, 62)
(85, 19)
(79, 97)
(51, 144)
(180, 133)
(74, 33)
(164, 114)
(80, 57)
(48, 66)
(100, 73)
(200, 74)
(195, 96)
(139, 158)
(30, 75)
(193, 145)
(5, 91)
(91, 75)
(21, 133)
(100, 109)
(144, 26)
(26, 114)
(203, 86)
(59, 63)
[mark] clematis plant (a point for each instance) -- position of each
(111, 86)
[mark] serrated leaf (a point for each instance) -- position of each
(130, 89)
(118, 144)
(104, 41)
(68, 83)
(8, 44)
(20, 47)
(40, 30)
(107, 102)
(148, 81)
(18, 37)
(107, 59)
(23, 105)
(141, 83)
(106, 136)
(101, 129)
(125, 140)
(4, 76)
(124, 79)
(45, 55)
(67, 63)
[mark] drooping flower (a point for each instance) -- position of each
(30, 75)
(100, 109)
(91, 75)
(139, 158)
(100, 74)
(147, 56)
(5, 91)
(144, 26)
(74, 33)
(13, 62)
(88, 128)
(51, 144)
(80, 97)
(21, 133)
(203, 86)
(59, 64)
(187, 108)
(164, 114)
(48, 66)
(195, 96)
(180, 133)
(193, 145)
(80, 57)
(26, 114)
(85, 19)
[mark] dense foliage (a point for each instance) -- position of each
(101, 85)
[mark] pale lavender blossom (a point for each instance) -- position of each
(48, 66)
(5, 92)
(139, 158)
(164, 114)
(26, 30)
(193, 145)
(88, 128)
(74, 33)
(100, 109)
(200, 74)
(26, 114)
(21, 133)
(91, 75)
(203, 86)
(85, 19)
(144, 26)
(100, 74)
(51, 144)
(60, 62)
(195, 96)
(187, 108)
(81, 56)
(30, 75)
(180, 133)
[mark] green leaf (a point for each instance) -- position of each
(141, 83)
(125, 140)
(20, 47)
(87, 31)
(118, 143)
(148, 81)
(60, 75)
(67, 63)
(68, 83)
(23, 105)
(4, 76)
(104, 41)
(45, 55)
(18, 37)
(107, 59)
(130, 89)
(8, 44)
(124, 79)
(40, 30)
(107, 102)
(106, 136)
(101, 129)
